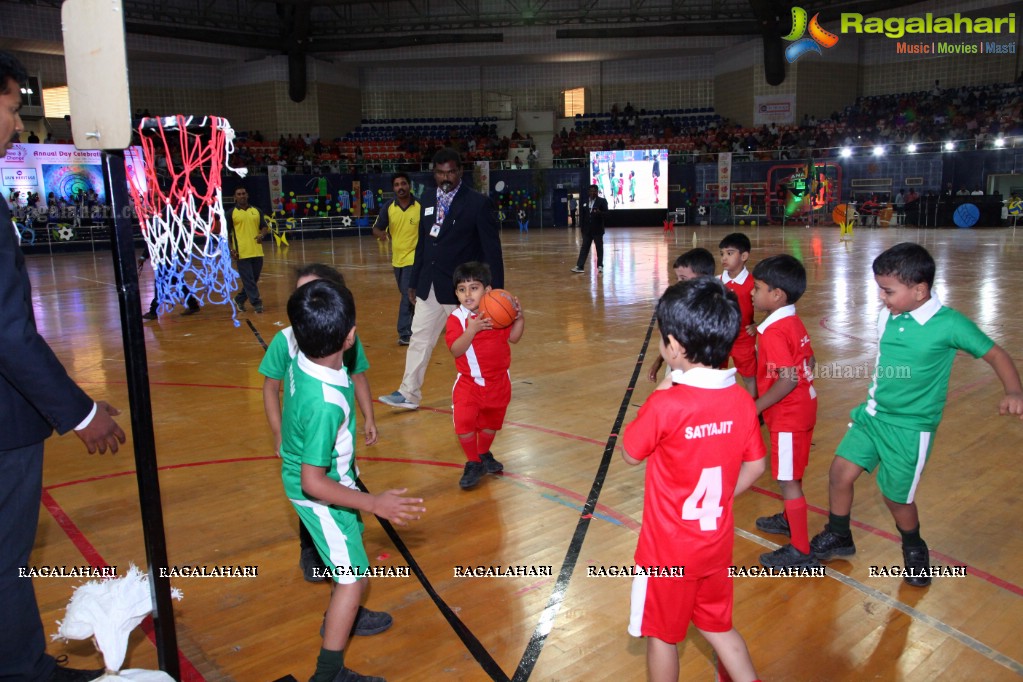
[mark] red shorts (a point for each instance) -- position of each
(664, 607)
(790, 453)
(744, 356)
(475, 407)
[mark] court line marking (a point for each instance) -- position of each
(917, 615)
(89, 552)
(471, 642)
(189, 673)
(546, 622)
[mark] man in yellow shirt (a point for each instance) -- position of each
(400, 219)
(247, 226)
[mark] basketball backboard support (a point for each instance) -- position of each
(96, 59)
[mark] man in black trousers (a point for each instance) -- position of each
(36, 397)
(591, 219)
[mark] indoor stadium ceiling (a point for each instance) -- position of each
(317, 26)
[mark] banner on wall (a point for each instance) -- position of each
(62, 169)
(774, 109)
(275, 176)
(724, 176)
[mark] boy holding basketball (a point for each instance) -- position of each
(787, 400)
(482, 390)
(693, 263)
(318, 461)
(279, 355)
(699, 435)
(893, 430)
(735, 248)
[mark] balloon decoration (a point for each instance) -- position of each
(517, 203)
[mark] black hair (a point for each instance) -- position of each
(908, 262)
(447, 155)
(320, 271)
(699, 260)
(11, 69)
(736, 240)
(473, 271)
(783, 272)
(322, 314)
(703, 316)
(401, 174)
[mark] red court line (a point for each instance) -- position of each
(92, 555)
(531, 427)
(949, 560)
(624, 520)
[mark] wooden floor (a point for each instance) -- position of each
(224, 504)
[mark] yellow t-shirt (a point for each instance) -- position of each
(247, 225)
(404, 228)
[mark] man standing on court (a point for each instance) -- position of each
(591, 218)
(246, 225)
(457, 224)
(36, 397)
(400, 219)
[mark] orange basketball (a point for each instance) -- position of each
(499, 306)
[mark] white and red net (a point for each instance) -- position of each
(177, 193)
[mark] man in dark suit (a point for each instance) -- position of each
(591, 219)
(36, 397)
(457, 224)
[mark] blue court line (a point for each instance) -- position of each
(942, 627)
(579, 508)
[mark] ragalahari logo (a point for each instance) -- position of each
(817, 39)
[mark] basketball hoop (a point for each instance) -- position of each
(182, 211)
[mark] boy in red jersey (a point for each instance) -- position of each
(699, 434)
(735, 248)
(482, 390)
(786, 399)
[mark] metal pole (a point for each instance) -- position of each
(137, 370)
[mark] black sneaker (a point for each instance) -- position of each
(313, 568)
(490, 464)
(259, 309)
(151, 315)
(349, 675)
(788, 557)
(191, 311)
(776, 524)
(366, 622)
(918, 566)
(471, 476)
(240, 305)
(826, 544)
(404, 340)
(371, 622)
(61, 673)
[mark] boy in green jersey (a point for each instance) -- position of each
(893, 430)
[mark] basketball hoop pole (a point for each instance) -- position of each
(137, 370)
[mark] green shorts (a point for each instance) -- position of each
(901, 453)
(337, 534)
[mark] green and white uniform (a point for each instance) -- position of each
(895, 426)
(318, 428)
(284, 348)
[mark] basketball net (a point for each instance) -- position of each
(181, 210)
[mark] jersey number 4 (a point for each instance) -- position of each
(704, 504)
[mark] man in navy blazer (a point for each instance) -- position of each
(591, 218)
(457, 224)
(36, 397)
